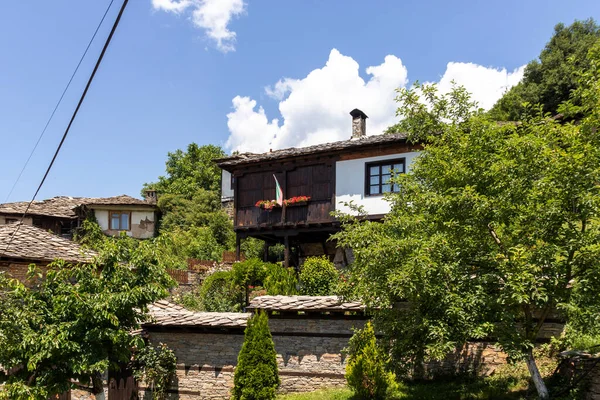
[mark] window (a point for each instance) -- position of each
(8, 221)
(119, 220)
(378, 175)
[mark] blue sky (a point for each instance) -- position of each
(167, 80)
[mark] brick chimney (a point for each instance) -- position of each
(359, 124)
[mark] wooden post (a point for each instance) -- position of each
(286, 259)
(237, 248)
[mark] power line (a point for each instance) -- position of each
(87, 87)
(59, 101)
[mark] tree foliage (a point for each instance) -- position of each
(550, 80)
(366, 372)
(495, 228)
(155, 365)
(256, 374)
(318, 277)
(188, 171)
(75, 321)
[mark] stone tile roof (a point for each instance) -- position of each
(64, 206)
(164, 313)
(35, 244)
(247, 158)
(303, 303)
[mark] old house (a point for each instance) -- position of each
(330, 175)
(32, 245)
(63, 214)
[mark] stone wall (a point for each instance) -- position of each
(18, 270)
(309, 356)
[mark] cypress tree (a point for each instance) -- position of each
(256, 376)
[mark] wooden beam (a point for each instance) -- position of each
(237, 247)
(286, 260)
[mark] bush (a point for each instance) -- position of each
(219, 293)
(256, 376)
(280, 281)
(318, 277)
(366, 372)
(155, 366)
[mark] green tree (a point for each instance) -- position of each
(550, 80)
(76, 320)
(366, 372)
(219, 293)
(188, 171)
(256, 375)
(318, 277)
(495, 227)
(156, 366)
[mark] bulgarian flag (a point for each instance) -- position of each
(278, 192)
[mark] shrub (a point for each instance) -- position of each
(219, 293)
(256, 376)
(156, 366)
(318, 277)
(366, 372)
(280, 281)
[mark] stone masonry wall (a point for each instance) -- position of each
(309, 356)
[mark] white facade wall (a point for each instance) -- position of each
(350, 183)
(226, 190)
(137, 216)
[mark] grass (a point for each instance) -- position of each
(510, 382)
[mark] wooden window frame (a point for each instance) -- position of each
(111, 213)
(379, 164)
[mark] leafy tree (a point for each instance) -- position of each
(495, 227)
(550, 80)
(366, 368)
(75, 322)
(156, 366)
(256, 375)
(249, 273)
(280, 280)
(318, 277)
(188, 171)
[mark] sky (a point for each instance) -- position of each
(247, 75)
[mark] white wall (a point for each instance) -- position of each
(350, 183)
(226, 190)
(136, 217)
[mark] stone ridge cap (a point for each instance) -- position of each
(308, 303)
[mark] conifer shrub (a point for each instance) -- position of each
(256, 375)
(318, 277)
(366, 372)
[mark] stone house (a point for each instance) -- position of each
(32, 245)
(332, 175)
(63, 214)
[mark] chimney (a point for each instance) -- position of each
(359, 124)
(150, 196)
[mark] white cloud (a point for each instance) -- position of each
(213, 16)
(486, 85)
(315, 109)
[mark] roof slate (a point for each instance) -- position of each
(247, 158)
(164, 313)
(64, 206)
(35, 244)
(304, 303)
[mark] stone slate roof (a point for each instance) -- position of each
(64, 206)
(247, 158)
(35, 244)
(303, 303)
(164, 313)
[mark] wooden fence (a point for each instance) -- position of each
(123, 389)
(180, 275)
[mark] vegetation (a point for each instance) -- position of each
(366, 367)
(496, 227)
(318, 277)
(156, 366)
(219, 293)
(256, 375)
(550, 80)
(74, 322)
